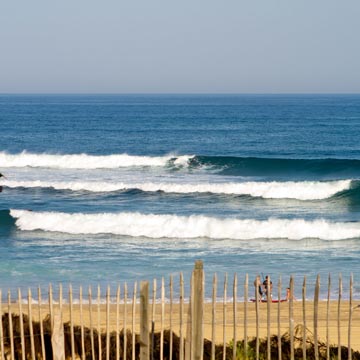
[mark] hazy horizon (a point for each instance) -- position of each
(204, 47)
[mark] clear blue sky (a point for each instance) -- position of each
(163, 46)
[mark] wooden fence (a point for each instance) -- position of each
(140, 325)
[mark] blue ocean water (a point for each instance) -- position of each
(113, 188)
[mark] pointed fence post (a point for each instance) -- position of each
(339, 317)
(291, 318)
(350, 315)
(57, 337)
(1, 332)
(328, 320)
(304, 318)
(316, 317)
(279, 319)
(197, 312)
(213, 319)
(144, 320)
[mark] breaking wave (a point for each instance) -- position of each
(85, 161)
(183, 227)
(302, 190)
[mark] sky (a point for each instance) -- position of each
(164, 46)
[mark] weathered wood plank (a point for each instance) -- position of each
(83, 353)
(234, 315)
(51, 305)
(31, 329)
(99, 322)
(350, 316)
(316, 318)
(11, 331)
(291, 318)
(170, 318)
(162, 319)
(43, 351)
(153, 320)
(339, 317)
(224, 315)
(246, 296)
(213, 318)
(125, 320)
(279, 319)
(197, 303)
(268, 316)
(304, 318)
(91, 326)
(1, 330)
(133, 321)
(21, 325)
(57, 338)
(328, 320)
(144, 320)
(72, 341)
(257, 314)
(108, 323)
(181, 357)
(117, 323)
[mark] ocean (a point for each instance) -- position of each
(107, 189)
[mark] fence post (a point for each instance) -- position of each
(268, 328)
(246, 292)
(304, 317)
(31, 329)
(43, 352)
(291, 318)
(279, 319)
(144, 320)
(57, 338)
(181, 355)
(350, 316)
(213, 319)
(171, 312)
(197, 313)
(224, 316)
(328, 319)
(1, 332)
(108, 323)
(316, 317)
(11, 331)
(339, 317)
(21, 320)
(235, 314)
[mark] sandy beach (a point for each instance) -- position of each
(222, 331)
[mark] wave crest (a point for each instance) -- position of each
(182, 227)
(85, 161)
(302, 190)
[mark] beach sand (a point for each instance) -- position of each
(222, 332)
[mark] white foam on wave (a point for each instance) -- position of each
(303, 190)
(183, 227)
(85, 161)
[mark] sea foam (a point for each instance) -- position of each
(302, 190)
(183, 227)
(85, 161)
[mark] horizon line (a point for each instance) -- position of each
(179, 93)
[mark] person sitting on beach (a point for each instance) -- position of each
(288, 295)
(267, 286)
(258, 288)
